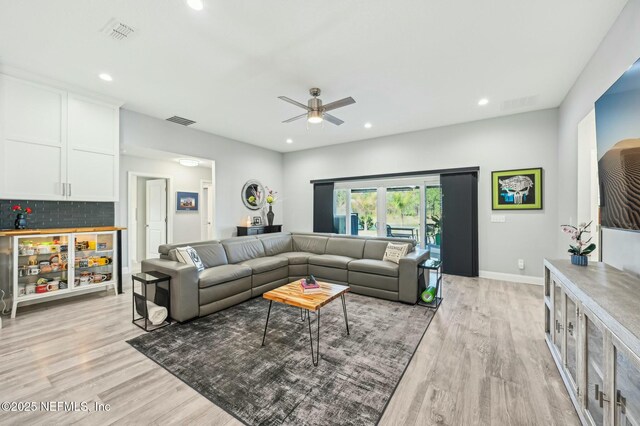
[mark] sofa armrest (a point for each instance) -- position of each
(184, 286)
(408, 275)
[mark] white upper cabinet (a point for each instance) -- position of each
(33, 143)
(93, 150)
(56, 145)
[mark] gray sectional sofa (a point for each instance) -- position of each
(239, 268)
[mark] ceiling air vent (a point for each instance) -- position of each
(117, 30)
(519, 103)
(181, 120)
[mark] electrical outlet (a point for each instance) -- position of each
(521, 263)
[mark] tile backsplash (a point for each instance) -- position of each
(58, 214)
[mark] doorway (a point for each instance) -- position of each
(149, 219)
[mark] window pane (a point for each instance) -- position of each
(403, 212)
(340, 211)
(364, 207)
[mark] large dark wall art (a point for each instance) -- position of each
(618, 137)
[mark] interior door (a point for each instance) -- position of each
(207, 212)
(156, 198)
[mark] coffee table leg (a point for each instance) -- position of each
(267, 323)
(344, 309)
(315, 359)
(303, 313)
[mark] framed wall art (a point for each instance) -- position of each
(186, 201)
(519, 189)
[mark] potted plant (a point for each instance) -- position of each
(580, 249)
(21, 220)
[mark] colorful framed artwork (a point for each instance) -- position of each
(517, 189)
(186, 201)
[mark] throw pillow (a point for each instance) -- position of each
(189, 256)
(395, 251)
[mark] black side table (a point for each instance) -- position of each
(162, 297)
(425, 268)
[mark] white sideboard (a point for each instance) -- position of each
(592, 328)
(56, 145)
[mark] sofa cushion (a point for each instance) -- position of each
(222, 274)
(309, 243)
(374, 249)
(395, 251)
(164, 249)
(211, 254)
(376, 267)
(189, 256)
(330, 260)
(265, 264)
(297, 257)
(349, 247)
(277, 243)
(240, 249)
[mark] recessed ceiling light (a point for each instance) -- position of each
(189, 162)
(106, 77)
(196, 4)
(367, 125)
(289, 140)
(483, 101)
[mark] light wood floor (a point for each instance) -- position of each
(483, 360)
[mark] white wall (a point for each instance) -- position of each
(619, 50)
(517, 141)
(186, 225)
(235, 163)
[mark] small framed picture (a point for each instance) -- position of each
(186, 201)
(257, 221)
(517, 189)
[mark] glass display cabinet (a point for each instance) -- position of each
(48, 265)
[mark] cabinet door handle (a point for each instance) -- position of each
(621, 401)
(64, 189)
(69, 189)
(600, 396)
(570, 328)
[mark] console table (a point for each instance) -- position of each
(592, 328)
(255, 230)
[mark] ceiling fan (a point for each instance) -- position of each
(315, 111)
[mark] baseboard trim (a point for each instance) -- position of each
(525, 279)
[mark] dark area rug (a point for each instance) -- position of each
(220, 357)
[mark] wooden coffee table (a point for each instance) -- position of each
(291, 294)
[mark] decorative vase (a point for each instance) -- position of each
(270, 216)
(21, 221)
(579, 260)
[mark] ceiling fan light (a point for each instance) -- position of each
(314, 117)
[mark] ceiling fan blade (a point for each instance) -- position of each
(297, 117)
(331, 119)
(296, 103)
(339, 104)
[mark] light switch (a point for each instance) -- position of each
(498, 218)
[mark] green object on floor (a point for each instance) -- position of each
(429, 294)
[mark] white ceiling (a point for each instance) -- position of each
(409, 64)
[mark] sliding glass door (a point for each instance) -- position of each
(399, 208)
